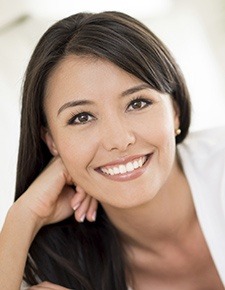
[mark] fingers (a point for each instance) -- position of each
(92, 210)
(84, 206)
(78, 198)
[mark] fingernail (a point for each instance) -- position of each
(76, 206)
(93, 216)
(82, 218)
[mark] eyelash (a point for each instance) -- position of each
(139, 99)
(77, 115)
(72, 120)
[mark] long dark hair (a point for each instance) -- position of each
(87, 256)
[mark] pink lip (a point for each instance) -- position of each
(123, 160)
(128, 175)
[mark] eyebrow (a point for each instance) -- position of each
(136, 89)
(74, 104)
(88, 102)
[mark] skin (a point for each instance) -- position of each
(109, 127)
(38, 206)
(116, 127)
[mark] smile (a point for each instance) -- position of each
(125, 168)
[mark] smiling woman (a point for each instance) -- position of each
(105, 118)
(108, 118)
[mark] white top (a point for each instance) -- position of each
(203, 158)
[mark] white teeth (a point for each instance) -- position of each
(111, 172)
(116, 170)
(140, 162)
(124, 168)
(129, 167)
(135, 164)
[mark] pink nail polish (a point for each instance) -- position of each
(94, 217)
(76, 206)
(82, 218)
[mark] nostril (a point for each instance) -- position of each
(118, 140)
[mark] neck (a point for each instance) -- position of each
(165, 218)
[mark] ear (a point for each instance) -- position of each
(176, 115)
(47, 138)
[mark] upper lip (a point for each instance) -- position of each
(123, 160)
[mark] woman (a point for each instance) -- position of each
(104, 105)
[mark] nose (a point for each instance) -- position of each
(117, 135)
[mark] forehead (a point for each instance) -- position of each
(87, 75)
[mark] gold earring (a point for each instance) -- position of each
(177, 132)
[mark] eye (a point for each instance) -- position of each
(81, 118)
(138, 104)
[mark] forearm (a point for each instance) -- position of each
(16, 236)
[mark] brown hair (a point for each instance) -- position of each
(58, 253)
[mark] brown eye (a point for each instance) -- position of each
(139, 104)
(81, 119)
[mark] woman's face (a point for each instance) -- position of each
(113, 132)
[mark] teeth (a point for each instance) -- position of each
(129, 167)
(111, 172)
(135, 164)
(124, 168)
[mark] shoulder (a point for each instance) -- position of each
(203, 153)
(213, 138)
(208, 143)
(203, 159)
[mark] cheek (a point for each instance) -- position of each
(76, 153)
(158, 128)
(166, 142)
(161, 135)
(166, 125)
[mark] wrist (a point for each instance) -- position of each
(17, 234)
(20, 215)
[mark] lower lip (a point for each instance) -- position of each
(129, 175)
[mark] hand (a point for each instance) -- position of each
(84, 206)
(47, 286)
(51, 198)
